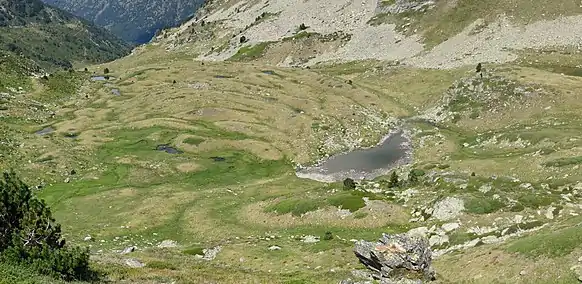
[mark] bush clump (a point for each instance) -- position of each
(30, 237)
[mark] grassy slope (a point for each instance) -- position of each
(125, 193)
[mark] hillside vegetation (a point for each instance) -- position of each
(53, 38)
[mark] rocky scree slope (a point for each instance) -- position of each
(413, 32)
(52, 37)
(133, 21)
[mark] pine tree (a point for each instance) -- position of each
(29, 235)
(393, 182)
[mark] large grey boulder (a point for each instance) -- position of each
(398, 258)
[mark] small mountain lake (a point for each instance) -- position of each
(394, 150)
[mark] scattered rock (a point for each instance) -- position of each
(448, 208)
(473, 243)
(485, 188)
(274, 248)
(550, 212)
(420, 231)
(490, 239)
(168, 244)
(134, 263)
(211, 253)
(395, 255)
(518, 219)
(128, 250)
(448, 227)
(362, 274)
(577, 269)
(407, 6)
(310, 239)
(438, 240)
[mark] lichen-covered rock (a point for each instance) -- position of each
(448, 208)
(397, 257)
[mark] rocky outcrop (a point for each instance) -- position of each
(400, 258)
(405, 6)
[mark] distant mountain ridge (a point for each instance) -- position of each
(54, 38)
(134, 21)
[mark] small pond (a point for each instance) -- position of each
(269, 72)
(394, 150)
(168, 149)
(98, 78)
(45, 131)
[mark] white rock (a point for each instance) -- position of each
(274, 248)
(450, 227)
(310, 239)
(485, 188)
(420, 231)
(134, 263)
(448, 208)
(490, 240)
(550, 212)
(518, 219)
(437, 240)
(168, 244)
(211, 253)
(472, 243)
(128, 250)
(87, 238)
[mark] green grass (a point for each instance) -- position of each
(61, 85)
(296, 207)
(536, 201)
(483, 205)
(194, 251)
(193, 140)
(550, 244)
(247, 53)
(10, 274)
(562, 162)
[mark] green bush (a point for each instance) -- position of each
(328, 236)
(29, 236)
(349, 184)
(483, 206)
(394, 181)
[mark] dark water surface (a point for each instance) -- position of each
(363, 163)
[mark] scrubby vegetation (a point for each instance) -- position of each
(31, 238)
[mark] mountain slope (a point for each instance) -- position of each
(52, 37)
(133, 21)
(422, 33)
